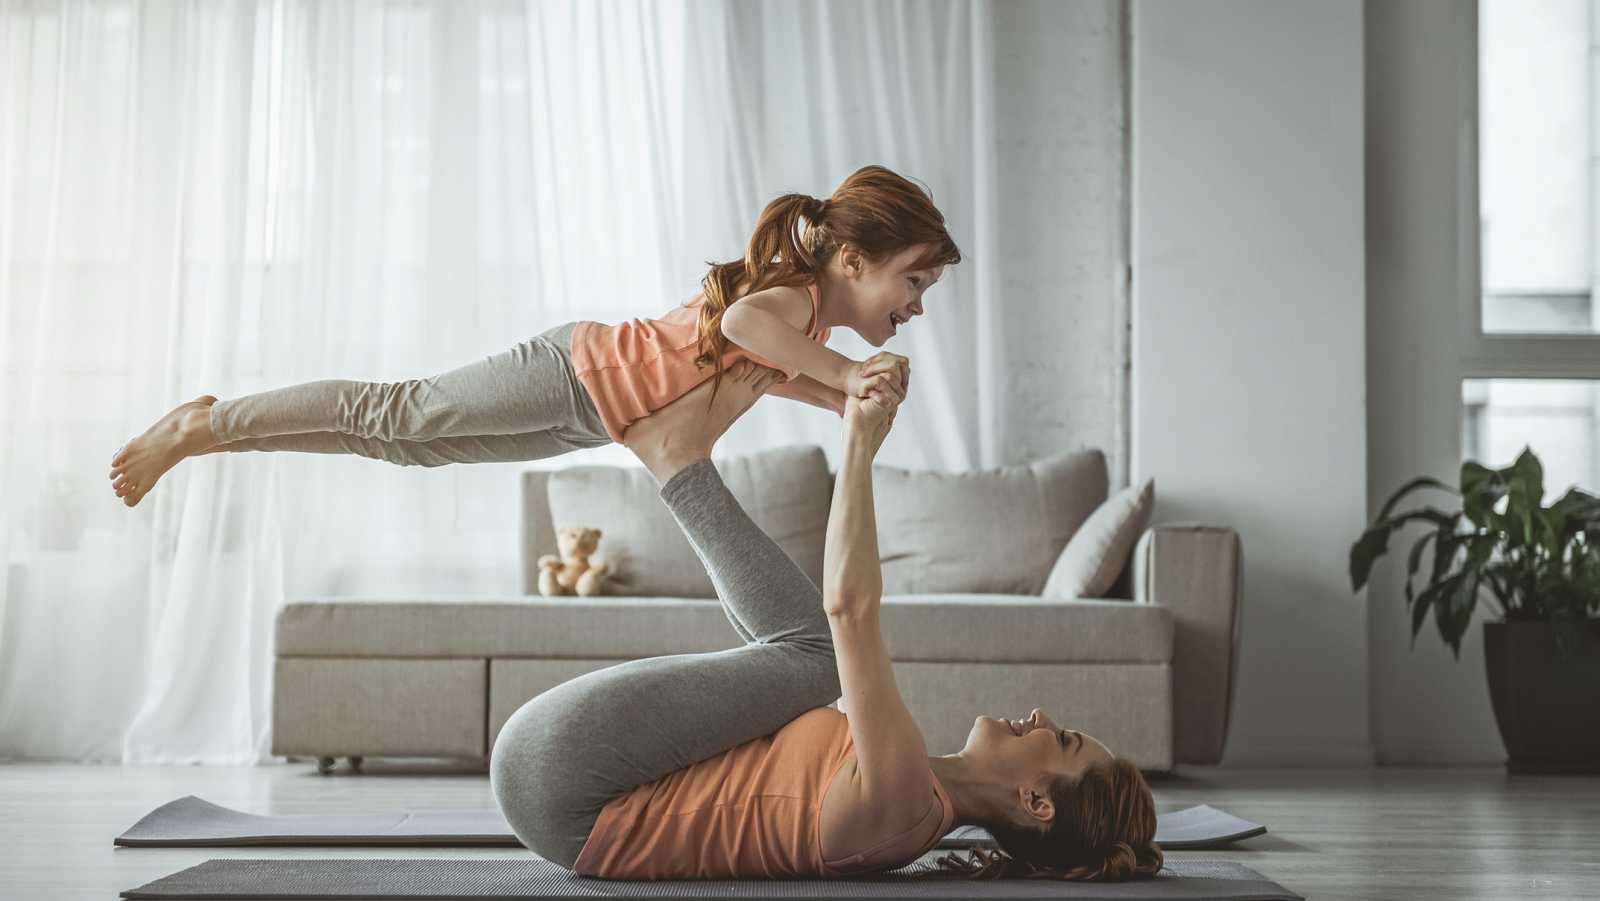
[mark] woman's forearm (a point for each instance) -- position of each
(852, 574)
(766, 334)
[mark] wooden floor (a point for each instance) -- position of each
(1387, 832)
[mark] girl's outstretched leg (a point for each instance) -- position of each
(529, 392)
(433, 452)
(529, 388)
(184, 431)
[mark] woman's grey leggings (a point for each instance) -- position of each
(525, 403)
(571, 749)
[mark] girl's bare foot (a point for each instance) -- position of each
(137, 465)
(685, 430)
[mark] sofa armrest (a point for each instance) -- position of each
(1195, 571)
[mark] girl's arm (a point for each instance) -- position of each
(808, 390)
(771, 323)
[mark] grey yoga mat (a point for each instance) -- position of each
(288, 878)
(195, 822)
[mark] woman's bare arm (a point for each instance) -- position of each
(891, 755)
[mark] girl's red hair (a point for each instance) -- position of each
(875, 210)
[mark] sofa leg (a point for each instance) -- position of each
(355, 762)
(325, 765)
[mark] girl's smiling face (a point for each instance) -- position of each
(885, 296)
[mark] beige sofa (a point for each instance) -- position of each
(966, 561)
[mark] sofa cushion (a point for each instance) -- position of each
(785, 492)
(1099, 552)
(991, 531)
(993, 628)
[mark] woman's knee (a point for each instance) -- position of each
(526, 778)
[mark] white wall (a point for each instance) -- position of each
(1248, 306)
(1427, 707)
(1060, 153)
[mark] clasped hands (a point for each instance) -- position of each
(877, 388)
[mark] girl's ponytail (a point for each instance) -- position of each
(875, 210)
(773, 246)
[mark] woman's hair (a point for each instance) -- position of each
(1104, 830)
(878, 211)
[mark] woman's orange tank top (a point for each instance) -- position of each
(637, 367)
(753, 811)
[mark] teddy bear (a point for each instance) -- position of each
(572, 572)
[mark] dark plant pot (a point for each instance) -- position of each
(1547, 707)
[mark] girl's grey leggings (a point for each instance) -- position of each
(525, 403)
(571, 749)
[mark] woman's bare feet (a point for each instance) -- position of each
(684, 431)
(137, 465)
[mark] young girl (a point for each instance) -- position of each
(863, 261)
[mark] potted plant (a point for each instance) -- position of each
(1541, 565)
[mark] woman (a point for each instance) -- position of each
(729, 764)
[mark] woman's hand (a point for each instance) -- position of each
(881, 370)
(867, 420)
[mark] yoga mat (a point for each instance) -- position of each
(316, 880)
(195, 822)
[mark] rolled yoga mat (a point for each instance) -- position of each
(456, 878)
(195, 822)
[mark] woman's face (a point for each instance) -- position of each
(885, 295)
(1030, 750)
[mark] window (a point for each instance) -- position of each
(1531, 338)
(1537, 184)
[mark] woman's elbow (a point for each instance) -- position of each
(851, 604)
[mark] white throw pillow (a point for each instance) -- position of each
(1097, 554)
(785, 491)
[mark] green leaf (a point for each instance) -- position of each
(1431, 514)
(1576, 512)
(1426, 599)
(1527, 477)
(1372, 544)
(1474, 475)
(1481, 489)
(1407, 488)
(1461, 603)
(1479, 549)
(1453, 596)
(1444, 551)
(1415, 559)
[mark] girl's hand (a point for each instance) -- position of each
(880, 371)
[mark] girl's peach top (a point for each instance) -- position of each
(753, 811)
(637, 367)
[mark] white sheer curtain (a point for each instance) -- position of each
(222, 197)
